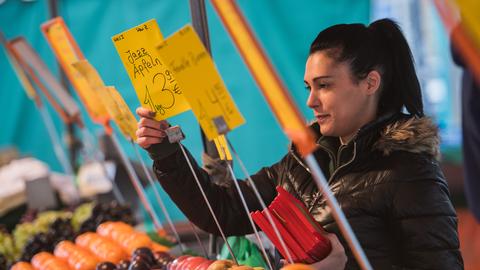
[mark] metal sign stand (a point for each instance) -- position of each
(175, 135)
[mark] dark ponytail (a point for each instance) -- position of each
(382, 47)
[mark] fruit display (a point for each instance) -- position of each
(76, 257)
(42, 231)
(104, 248)
(22, 266)
(25, 232)
(101, 213)
(8, 250)
(297, 266)
(124, 235)
(47, 261)
(90, 238)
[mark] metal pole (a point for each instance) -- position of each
(200, 24)
(136, 183)
(157, 196)
(55, 139)
(338, 213)
(98, 156)
(208, 203)
(72, 140)
(262, 203)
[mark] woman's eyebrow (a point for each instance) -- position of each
(322, 77)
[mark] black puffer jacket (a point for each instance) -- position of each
(387, 181)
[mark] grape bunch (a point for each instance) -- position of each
(61, 229)
(24, 232)
(103, 212)
(8, 251)
(29, 216)
(142, 259)
(3, 262)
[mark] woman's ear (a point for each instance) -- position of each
(373, 81)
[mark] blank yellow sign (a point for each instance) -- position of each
(154, 83)
(125, 120)
(469, 10)
(110, 99)
(196, 73)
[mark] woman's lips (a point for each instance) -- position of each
(321, 118)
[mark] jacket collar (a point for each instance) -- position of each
(388, 133)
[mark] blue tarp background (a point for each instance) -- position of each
(285, 29)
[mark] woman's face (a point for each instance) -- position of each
(341, 105)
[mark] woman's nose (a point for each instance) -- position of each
(312, 100)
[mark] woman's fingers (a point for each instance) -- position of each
(150, 132)
(150, 123)
(143, 112)
(146, 142)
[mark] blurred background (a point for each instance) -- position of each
(285, 30)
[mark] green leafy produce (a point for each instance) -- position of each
(7, 247)
(25, 231)
(81, 213)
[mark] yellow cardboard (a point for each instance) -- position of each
(126, 121)
(64, 49)
(111, 100)
(269, 82)
(469, 17)
(203, 87)
(154, 84)
(222, 148)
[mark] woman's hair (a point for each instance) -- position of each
(381, 46)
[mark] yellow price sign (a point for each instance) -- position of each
(269, 82)
(67, 52)
(123, 117)
(222, 148)
(469, 12)
(156, 87)
(110, 98)
(204, 89)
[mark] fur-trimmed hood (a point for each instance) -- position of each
(416, 135)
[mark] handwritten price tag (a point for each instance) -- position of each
(203, 87)
(154, 83)
(67, 52)
(110, 99)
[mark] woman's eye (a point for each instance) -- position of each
(308, 88)
(322, 85)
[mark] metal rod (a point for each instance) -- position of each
(136, 183)
(208, 203)
(245, 206)
(262, 203)
(198, 239)
(338, 213)
(55, 139)
(54, 12)
(198, 14)
(100, 158)
(157, 196)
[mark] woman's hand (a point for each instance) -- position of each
(336, 260)
(337, 257)
(150, 131)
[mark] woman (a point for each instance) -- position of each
(380, 163)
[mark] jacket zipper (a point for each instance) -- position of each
(330, 153)
(334, 173)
